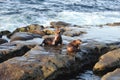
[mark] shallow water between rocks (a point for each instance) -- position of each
(86, 75)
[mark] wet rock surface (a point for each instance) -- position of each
(31, 66)
(115, 75)
(29, 43)
(3, 41)
(48, 63)
(108, 62)
(24, 36)
(9, 50)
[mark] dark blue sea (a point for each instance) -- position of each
(19, 13)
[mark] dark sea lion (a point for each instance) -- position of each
(53, 40)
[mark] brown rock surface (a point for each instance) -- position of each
(108, 62)
(115, 75)
(33, 28)
(113, 24)
(47, 63)
(34, 65)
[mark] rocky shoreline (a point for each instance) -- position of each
(22, 57)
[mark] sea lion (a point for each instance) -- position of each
(74, 46)
(53, 40)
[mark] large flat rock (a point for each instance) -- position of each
(34, 65)
(48, 63)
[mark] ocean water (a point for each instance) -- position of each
(87, 75)
(18, 13)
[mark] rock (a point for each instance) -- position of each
(91, 52)
(29, 43)
(34, 65)
(68, 29)
(24, 36)
(50, 63)
(3, 41)
(49, 32)
(30, 28)
(59, 24)
(33, 28)
(113, 24)
(42, 33)
(108, 62)
(9, 50)
(6, 32)
(73, 33)
(115, 75)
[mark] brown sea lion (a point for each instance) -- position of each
(74, 46)
(53, 40)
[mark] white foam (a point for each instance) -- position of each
(85, 18)
(88, 75)
(66, 1)
(11, 22)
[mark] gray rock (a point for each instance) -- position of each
(10, 50)
(29, 43)
(115, 75)
(73, 33)
(24, 36)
